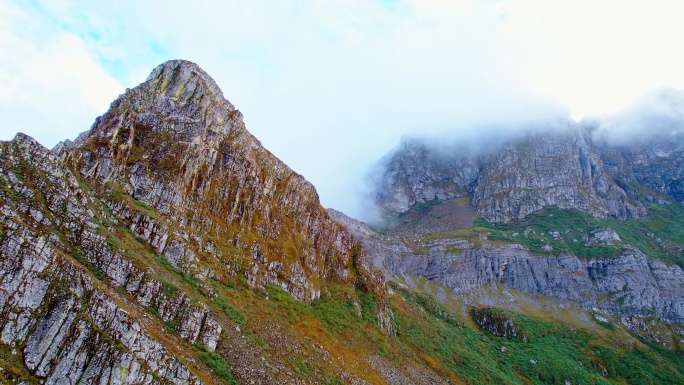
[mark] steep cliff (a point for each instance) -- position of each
(116, 249)
(561, 166)
(651, 169)
(71, 296)
(174, 143)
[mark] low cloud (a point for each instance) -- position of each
(656, 114)
(51, 87)
(330, 86)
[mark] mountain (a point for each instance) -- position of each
(556, 167)
(607, 167)
(165, 245)
(571, 211)
(166, 192)
(175, 144)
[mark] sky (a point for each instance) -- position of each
(331, 86)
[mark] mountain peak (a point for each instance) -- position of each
(25, 140)
(176, 144)
(178, 101)
(182, 79)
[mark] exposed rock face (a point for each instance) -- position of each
(169, 177)
(554, 168)
(496, 322)
(175, 144)
(418, 173)
(655, 164)
(560, 166)
(72, 326)
(630, 285)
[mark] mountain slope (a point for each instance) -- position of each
(138, 226)
(166, 246)
(573, 212)
(175, 144)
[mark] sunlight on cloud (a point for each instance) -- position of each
(52, 88)
(604, 53)
(338, 83)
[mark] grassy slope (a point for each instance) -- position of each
(431, 336)
(561, 352)
(336, 334)
(660, 235)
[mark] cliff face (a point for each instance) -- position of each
(174, 143)
(114, 248)
(652, 168)
(554, 168)
(63, 276)
(630, 286)
(560, 166)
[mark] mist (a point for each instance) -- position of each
(656, 114)
(330, 87)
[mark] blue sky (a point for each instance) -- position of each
(330, 86)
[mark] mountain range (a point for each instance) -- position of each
(165, 245)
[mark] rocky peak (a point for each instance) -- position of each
(174, 143)
(178, 98)
(23, 140)
(519, 175)
(117, 250)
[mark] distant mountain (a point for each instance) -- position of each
(587, 213)
(564, 165)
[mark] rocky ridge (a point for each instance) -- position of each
(110, 244)
(631, 287)
(72, 325)
(563, 165)
(174, 143)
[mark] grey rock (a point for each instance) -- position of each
(630, 285)
(562, 165)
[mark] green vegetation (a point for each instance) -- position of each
(231, 311)
(218, 365)
(421, 207)
(553, 353)
(572, 230)
(170, 326)
(430, 335)
(87, 264)
(660, 235)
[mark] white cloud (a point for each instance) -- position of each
(51, 87)
(330, 86)
(603, 53)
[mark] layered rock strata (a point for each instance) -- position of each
(562, 166)
(109, 244)
(630, 286)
